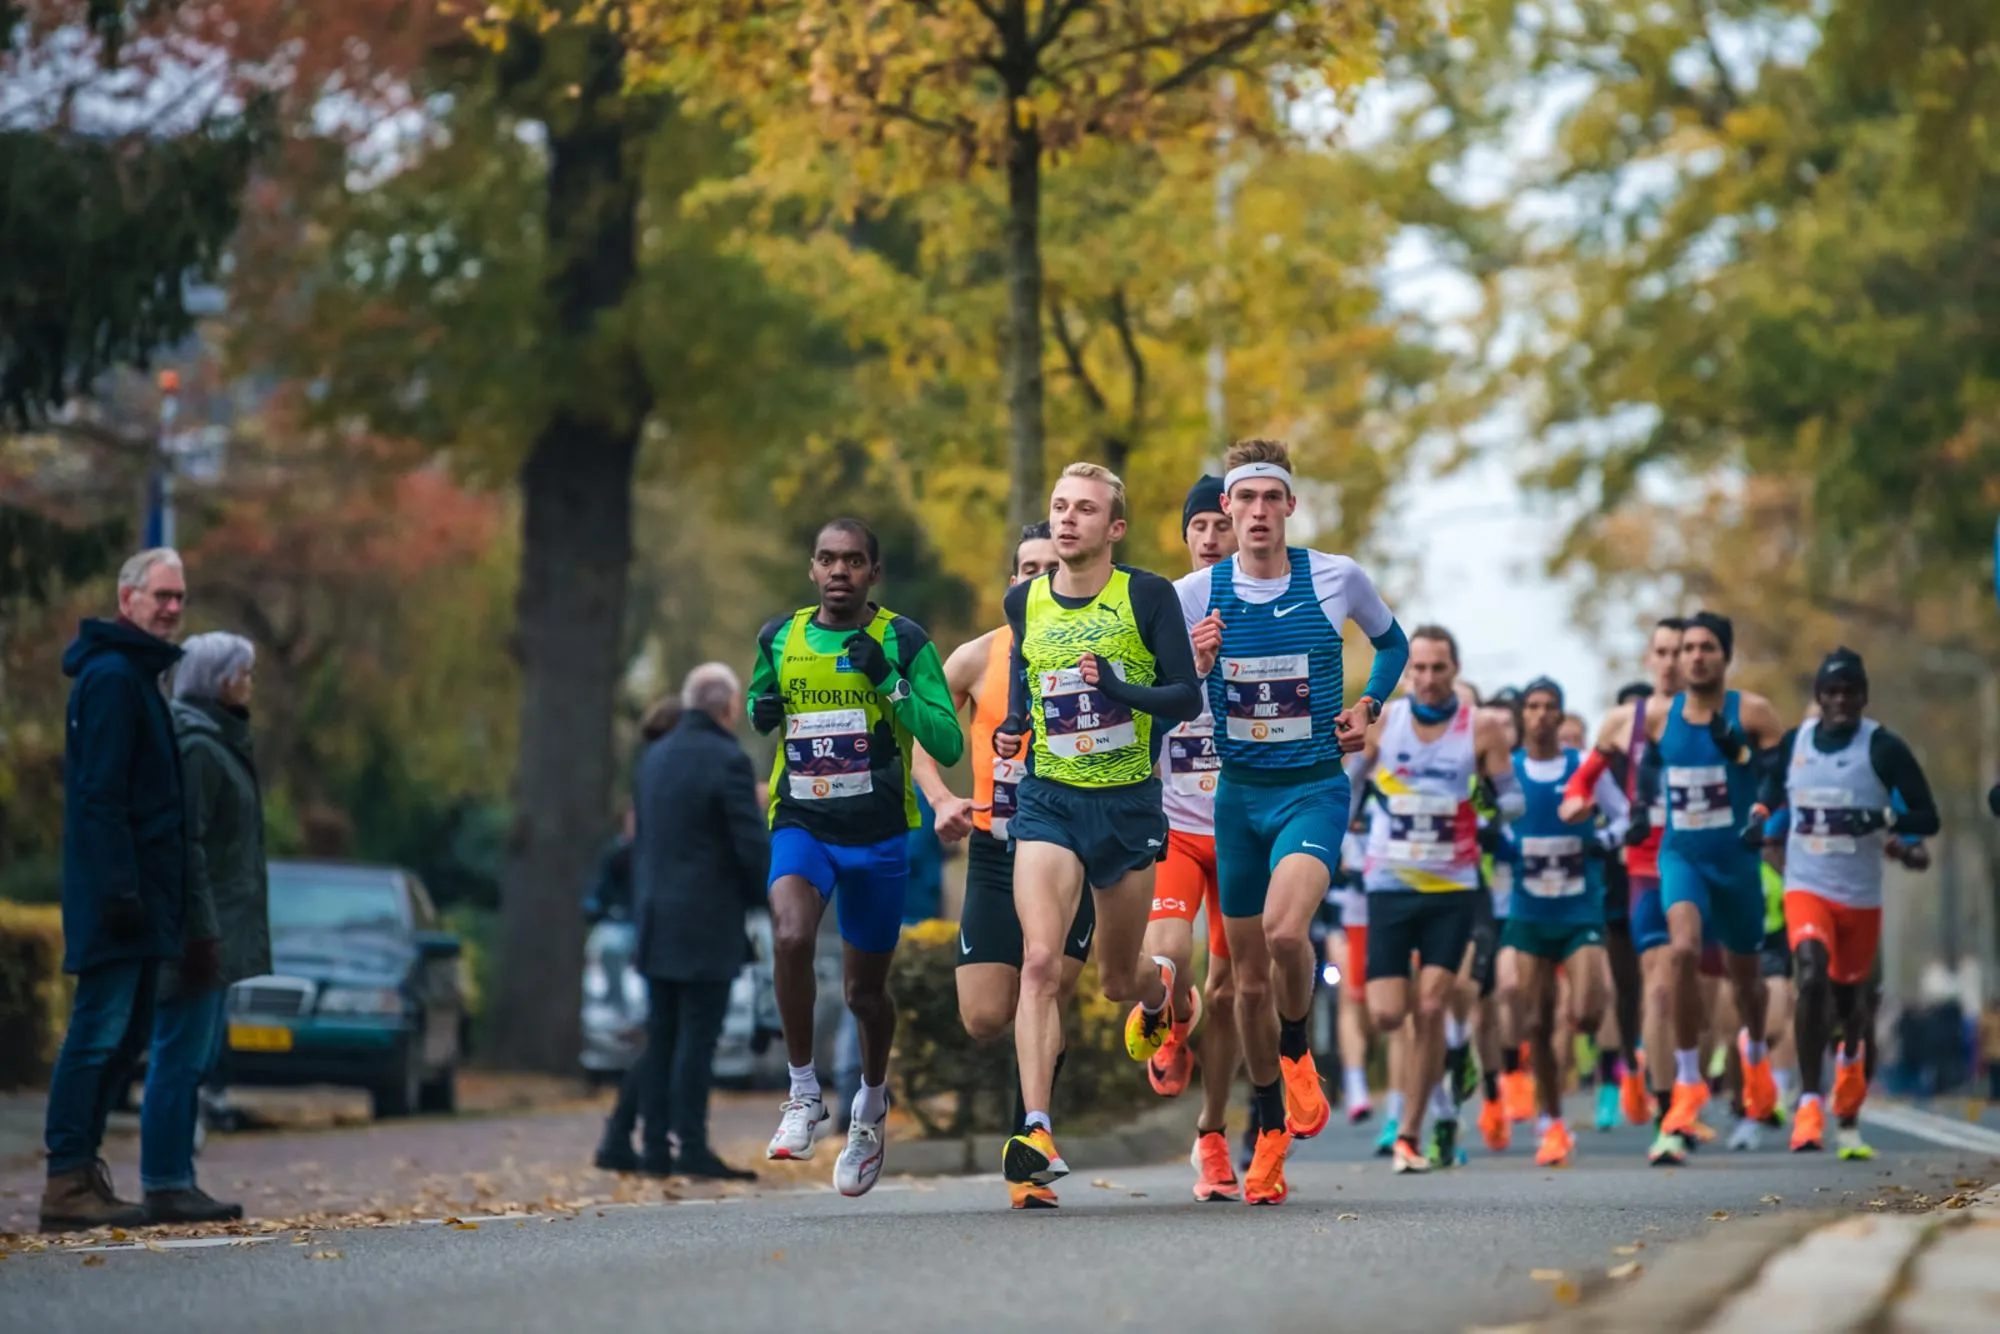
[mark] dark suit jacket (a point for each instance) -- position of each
(701, 853)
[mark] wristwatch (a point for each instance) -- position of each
(1374, 706)
(901, 692)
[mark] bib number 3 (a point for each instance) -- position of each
(1268, 699)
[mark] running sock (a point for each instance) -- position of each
(1510, 1061)
(1167, 987)
(1687, 1065)
(1491, 1079)
(805, 1081)
(871, 1103)
(1292, 1043)
(1355, 1082)
(1442, 1107)
(1754, 1052)
(1270, 1102)
(1788, 1083)
(1392, 1105)
(1038, 1119)
(1456, 1033)
(1542, 1123)
(1020, 1101)
(1842, 1060)
(1607, 1067)
(1808, 1098)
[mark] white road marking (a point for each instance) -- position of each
(1929, 1126)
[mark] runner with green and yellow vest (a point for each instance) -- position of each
(855, 687)
(1102, 669)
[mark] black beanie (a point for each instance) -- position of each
(1204, 497)
(1718, 625)
(1545, 685)
(1843, 664)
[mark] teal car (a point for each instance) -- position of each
(365, 990)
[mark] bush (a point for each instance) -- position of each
(953, 1087)
(34, 992)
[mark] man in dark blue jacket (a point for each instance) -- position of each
(124, 876)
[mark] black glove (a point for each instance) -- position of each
(1993, 799)
(125, 918)
(865, 655)
(767, 712)
(201, 965)
(1483, 794)
(1640, 829)
(1752, 833)
(1867, 820)
(1729, 739)
(1491, 840)
(1599, 844)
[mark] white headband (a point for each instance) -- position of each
(1244, 471)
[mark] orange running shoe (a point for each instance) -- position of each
(1494, 1126)
(1028, 1195)
(1031, 1158)
(1517, 1095)
(1684, 1110)
(1214, 1175)
(1557, 1146)
(1406, 1159)
(1633, 1099)
(1306, 1108)
(1809, 1127)
(1173, 1065)
(1146, 1033)
(1760, 1087)
(1850, 1090)
(1265, 1183)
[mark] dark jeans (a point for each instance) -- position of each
(108, 1027)
(681, 1031)
(187, 1036)
(625, 1114)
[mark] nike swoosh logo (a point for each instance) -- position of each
(963, 948)
(1314, 846)
(1083, 941)
(1283, 612)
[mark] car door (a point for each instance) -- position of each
(437, 982)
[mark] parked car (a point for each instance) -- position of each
(750, 1052)
(365, 989)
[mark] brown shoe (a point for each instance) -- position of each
(79, 1200)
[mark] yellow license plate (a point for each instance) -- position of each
(259, 1037)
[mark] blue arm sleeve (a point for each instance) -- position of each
(1392, 654)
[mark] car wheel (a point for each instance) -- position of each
(440, 1095)
(403, 1094)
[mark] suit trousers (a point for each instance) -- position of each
(681, 1032)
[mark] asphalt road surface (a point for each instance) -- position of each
(1354, 1248)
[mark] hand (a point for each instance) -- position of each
(1491, 840)
(1727, 737)
(1090, 669)
(1575, 810)
(767, 712)
(1206, 636)
(124, 918)
(1640, 829)
(1598, 845)
(1008, 737)
(1867, 821)
(201, 965)
(954, 817)
(1916, 856)
(1350, 728)
(866, 656)
(1751, 835)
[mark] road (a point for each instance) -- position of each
(1355, 1247)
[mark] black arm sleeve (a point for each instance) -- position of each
(1899, 771)
(1016, 608)
(1651, 773)
(1175, 695)
(1771, 788)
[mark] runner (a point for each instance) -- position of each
(1184, 887)
(1354, 1025)
(1622, 1096)
(1557, 917)
(1102, 667)
(1622, 744)
(1709, 746)
(1266, 626)
(855, 687)
(1847, 780)
(989, 932)
(1423, 858)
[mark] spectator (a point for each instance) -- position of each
(226, 936)
(701, 856)
(124, 865)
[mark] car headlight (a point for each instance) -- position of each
(360, 1000)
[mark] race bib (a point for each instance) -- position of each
(1079, 719)
(826, 755)
(1192, 764)
(1006, 783)
(1824, 819)
(1698, 798)
(1423, 829)
(1501, 886)
(1552, 868)
(1268, 699)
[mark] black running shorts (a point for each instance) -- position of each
(1113, 831)
(1434, 927)
(988, 929)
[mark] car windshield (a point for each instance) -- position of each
(306, 900)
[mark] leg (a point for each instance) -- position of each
(1814, 1021)
(796, 907)
(867, 986)
(183, 1040)
(989, 942)
(1627, 989)
(988, 995)
(1048, 885)
(1538, 996)
(702, 1008)
(1589, 972)
(1426, 1064)
(82, 1088)
(1221, 1040)
(656, 1068)
(1684, 926)
(1256, 1007)
(623, 1122)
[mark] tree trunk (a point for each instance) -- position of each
(576, 551)
(1027, 498)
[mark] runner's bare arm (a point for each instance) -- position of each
(1614, 734)
(1760, 721)
(1492, 734)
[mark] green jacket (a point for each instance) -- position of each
(228, 887)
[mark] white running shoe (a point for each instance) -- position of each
(1748, 1135)
(798, 1129)
(860, 1163)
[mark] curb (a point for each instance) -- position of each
(1156, 1136)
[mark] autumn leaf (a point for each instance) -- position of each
(1546, 1275)
(92, 1261)
(1630, 1269)
(1349, 1218)
(1719, 1216)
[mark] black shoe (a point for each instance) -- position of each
(651, 1164)
(704, 1164)
(615, 1157)
(193, 1205)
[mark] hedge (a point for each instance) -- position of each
(34, 992)
(953, 1087)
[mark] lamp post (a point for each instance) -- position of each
(159, 524)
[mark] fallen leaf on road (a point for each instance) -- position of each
(1350, 1218)
(474, 1227)
(155, 1246)
(1625, 1250)
(1958, 1201)
(1546, 1275)
(1138, 1194)
(1566, 1291)
(1770, 1199)
(1968, 1183)
(777, 1255)
(119, 1234)
(1630, 1269)
(1102, 1184)
(92, 1261)
(324, 1255)
(1720, 1216)
(453, 1222)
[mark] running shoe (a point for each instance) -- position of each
(1850, 1090)
(798, 1129)
(1809, 1128)
(1265, 1183)
(1173, 1065)
(1214, 1178)
(1494, 1126)
(1517, 1095)
(1747, 1135)
(1031, 1157)
(1556, 1147)
(1306, 1108)
(1407, 1159)
(1359, 1112)
(1461, 1072)
(1146, 1033)
(1633, 1098)
(1668, 1150)
(1385, 1142)
(860, 1163)
(1760, 1086)
(1445, 1151)
(1027, 1195)
(1850, 1146)
(1683, 1111)
(1607, 1107)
